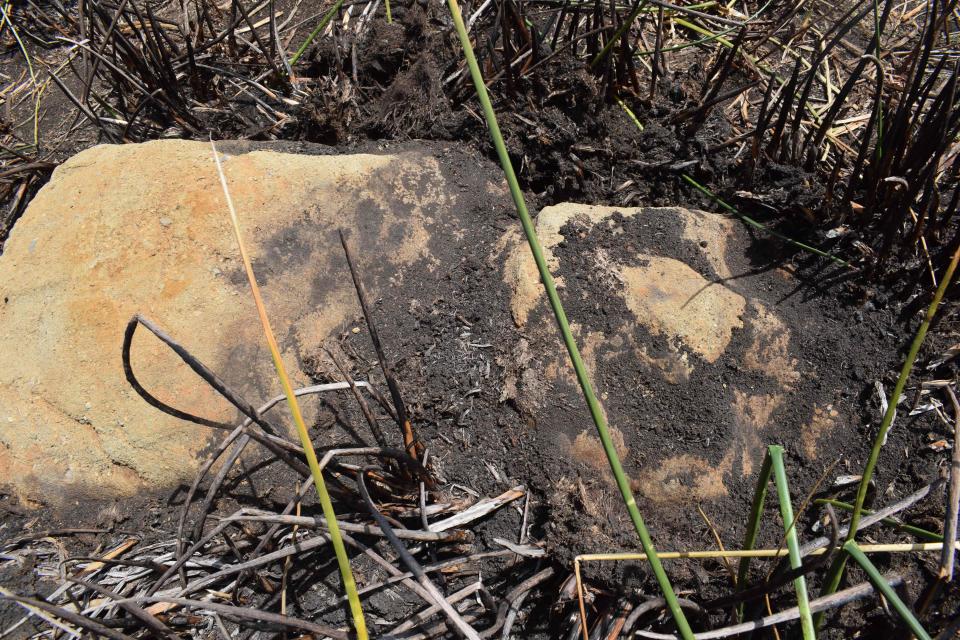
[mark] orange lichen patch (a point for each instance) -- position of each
(825, 419)
(753, 414)
(685, 479)
(587, 450)
(673, 300)
(769, 352)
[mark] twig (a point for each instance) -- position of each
(413, 566)
(422, 616)
(403, 420)
(775, 582)
(837, 599)
(511, 604)
(74, 618)
(364, 407)
(478, 510)
(156, 628)
(953, 501)
(251, 515)
(246, 613)
(876, 517)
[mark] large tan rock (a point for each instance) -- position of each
(144, 228)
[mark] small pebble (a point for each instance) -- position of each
(166, 221)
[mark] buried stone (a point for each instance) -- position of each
(699, 349)
(704, 348)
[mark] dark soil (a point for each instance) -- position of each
(570, 145)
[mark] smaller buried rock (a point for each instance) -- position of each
(700, 355)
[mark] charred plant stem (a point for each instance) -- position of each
(403, 419)
(948, 556)
(413, 566)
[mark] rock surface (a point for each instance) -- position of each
(132, 229)
(700, 350)
(697, 371)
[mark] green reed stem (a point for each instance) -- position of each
(775, 452)
(888, 592)
(581, 371)
(324, 21)
(753, 524)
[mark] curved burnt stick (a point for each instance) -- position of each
(270, 440)
(657, 604)
(198, 367)
(403, 419)
(458, 623)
